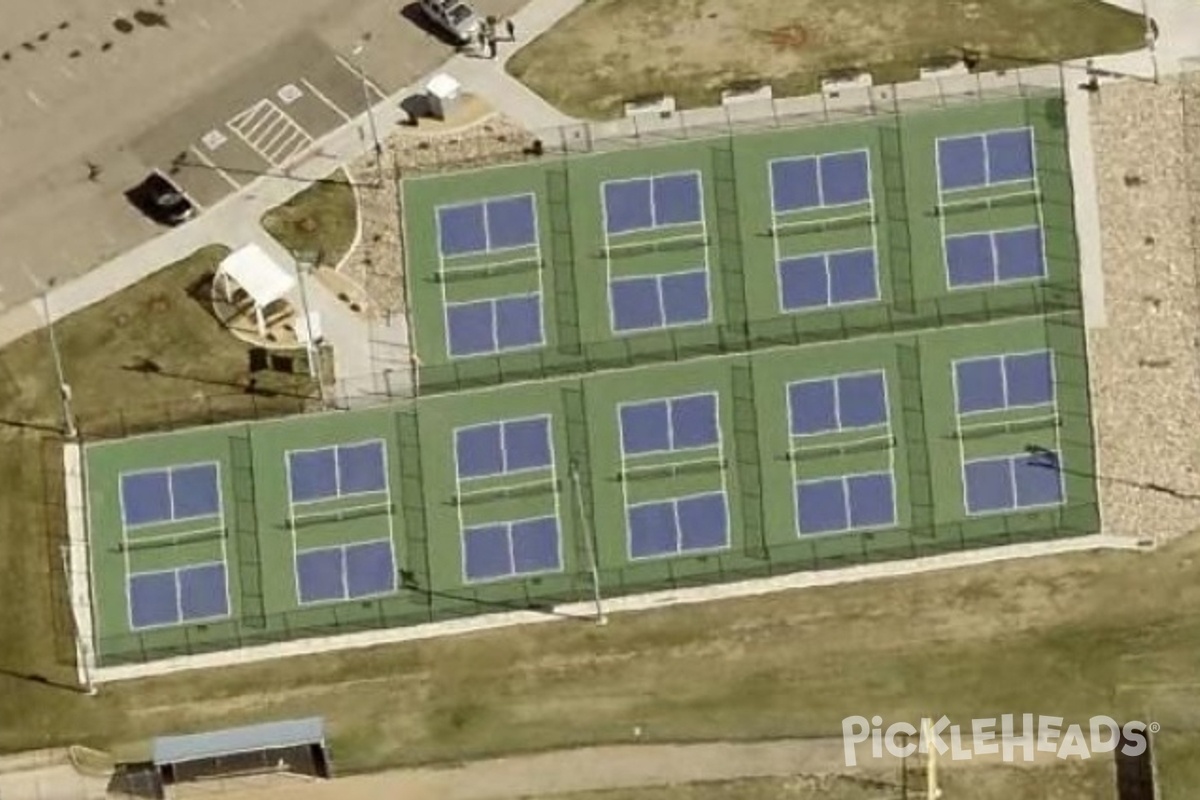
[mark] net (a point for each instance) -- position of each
(673, 244)
(479, 271)
(782, 230)
(803, 450)
(172, 539)
(492, 493)
(312, 517)
(1024, 198)
(696, 467)
(990, 429)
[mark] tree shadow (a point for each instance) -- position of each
(148, 366)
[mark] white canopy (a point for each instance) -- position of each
(262, 278)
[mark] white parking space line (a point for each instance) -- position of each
(270, 132)
(200, 155)
(361, 76)
(317, 93)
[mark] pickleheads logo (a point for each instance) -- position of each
(992, 736)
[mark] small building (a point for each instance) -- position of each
(443, 95)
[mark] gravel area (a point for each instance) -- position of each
(1145, 366)
(377, 261)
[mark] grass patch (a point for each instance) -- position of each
(1052, 636)
(323, 219)
(692, 49)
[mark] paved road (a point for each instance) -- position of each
(94, 83)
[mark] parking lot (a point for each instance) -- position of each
(258, 121)
(215, 92)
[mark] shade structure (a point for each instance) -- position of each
(260, 276)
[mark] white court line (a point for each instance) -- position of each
(323, 98)
(209, 162)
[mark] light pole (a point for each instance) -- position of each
(362, 79)
(303, 266)
(70, 430)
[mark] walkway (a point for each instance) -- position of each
(615, 767)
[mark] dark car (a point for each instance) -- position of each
(161, 200)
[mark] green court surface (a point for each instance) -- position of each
(738, 241)
(757, 441)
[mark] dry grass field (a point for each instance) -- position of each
(611, 50)
(1076, 780)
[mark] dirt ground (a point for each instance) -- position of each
(611, 50)
(798, 770)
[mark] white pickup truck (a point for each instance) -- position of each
(453, 16)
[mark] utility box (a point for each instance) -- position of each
(444, 95)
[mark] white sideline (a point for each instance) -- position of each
(577, 612)
(76, 561)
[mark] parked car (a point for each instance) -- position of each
(455, 17)
(161, 200)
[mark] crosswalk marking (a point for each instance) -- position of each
(271, 132)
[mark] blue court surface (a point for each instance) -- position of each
(1014, 482)
(649, 202)
(338, 471)
(186, 594)
(823, 280)
(681, 525)
(660, 301)
(985, 159)
(492, 326)
(1015, 380)
(677, 423)
(844, 503)
(833, 179)
(501, 223)
(837, 403)
(982, 259)
(508, 549)
(345, 572)
(503, 447)
(170, 494)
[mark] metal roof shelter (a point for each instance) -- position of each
(296, 745)
(263, 278)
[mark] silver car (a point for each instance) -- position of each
(453, 16)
